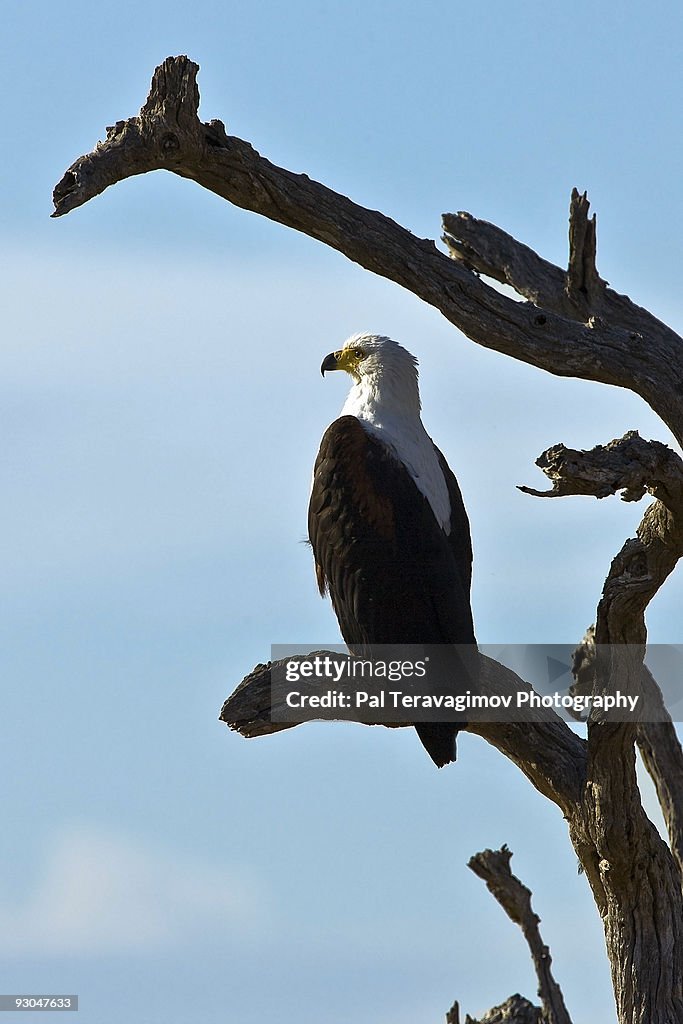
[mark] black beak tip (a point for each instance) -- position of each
(328, 363)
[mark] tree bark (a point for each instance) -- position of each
(571, 324)
(631, 349)
(493, 866)
(515, 1010)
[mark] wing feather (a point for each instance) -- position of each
(393, 575)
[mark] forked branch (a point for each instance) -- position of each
(633, 351)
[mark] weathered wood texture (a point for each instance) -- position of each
(544, 747)
(571, 324)
(515, 1010)
(620, 344)
(493, 866)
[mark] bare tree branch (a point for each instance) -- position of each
(660, 749)
(657, 741)
(453, 1015)
(493, 866)
(634, 467)
(487, 249)
(584, 284)
(629, 464)
(542, 746)
(168, 134)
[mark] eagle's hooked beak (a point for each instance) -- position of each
(330, 362)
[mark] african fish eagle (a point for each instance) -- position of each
(387, 524)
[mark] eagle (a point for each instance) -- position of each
(387, 524)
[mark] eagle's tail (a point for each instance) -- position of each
(438, 739)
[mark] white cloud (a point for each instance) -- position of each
(100, 893)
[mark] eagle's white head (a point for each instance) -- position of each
(384, 375)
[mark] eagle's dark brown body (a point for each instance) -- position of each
(393, 574)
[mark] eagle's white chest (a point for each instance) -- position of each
(407, 439)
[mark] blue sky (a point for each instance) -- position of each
(161, 408)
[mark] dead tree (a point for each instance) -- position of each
(572, 325)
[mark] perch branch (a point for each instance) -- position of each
(542, 746)
(168, 134)
(493, 866)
